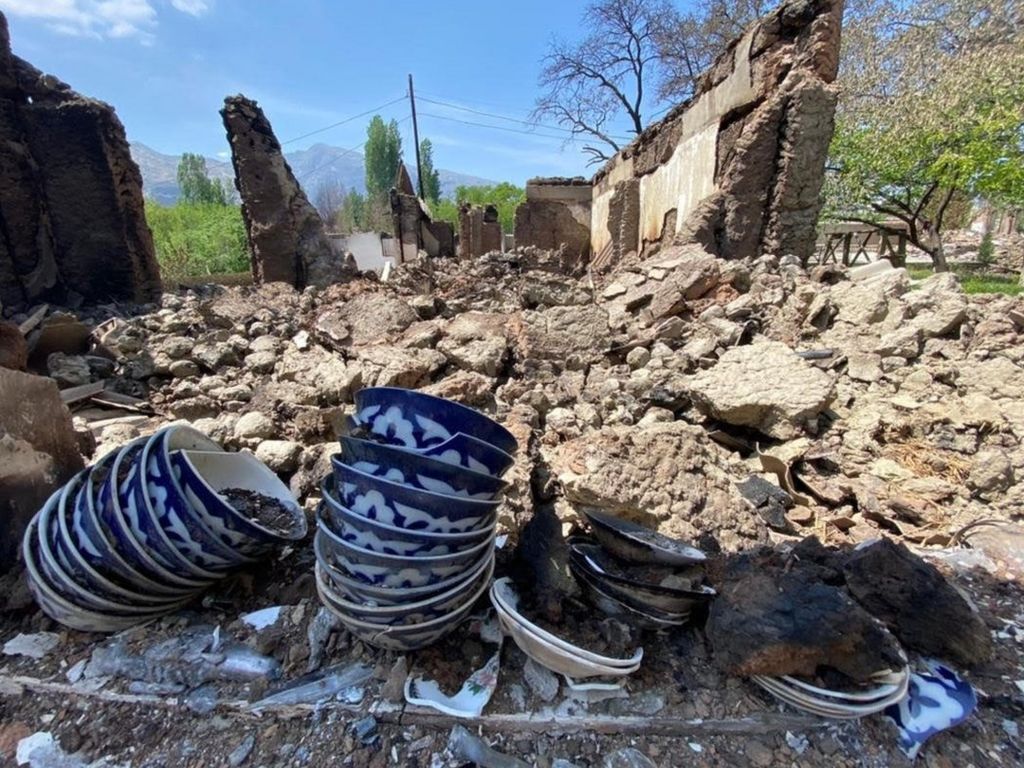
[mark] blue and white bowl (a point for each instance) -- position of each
(371, 594)
(417, 470)
(388, 539)
(417, 420)
(183, 527)
(396, 571)
(401, 506)
(204, 475)
(459, 450)
(401, 637)
(121, 516)
(61, 609)
(407, 613)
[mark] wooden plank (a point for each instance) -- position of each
(81, 392)
(35, 319)
(119, 400)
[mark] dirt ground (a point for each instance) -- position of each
(678, 709)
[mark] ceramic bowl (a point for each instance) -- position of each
(408, 637)
(67, 575)
(120, 520)
(358, 590)
(641, 616)
(59, 608)
(60, 549)
(158, 491)
(417, 470)
(505, 600)
(417, 420)
(408, 613)
(662, 590)
(404, 507)
(551, 651)
(637, 544)
(388, 539)
(204, 475)
(395, 571)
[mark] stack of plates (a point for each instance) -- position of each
(149, 526)
(887, 688)
(550, 650)
(636, 574)
(405, 533)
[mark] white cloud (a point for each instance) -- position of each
(191, 7)
(100, 18)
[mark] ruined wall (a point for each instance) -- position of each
(556, 213)
(739, 167)
(412, 224)
(72, 220)
(287, 239)
(479, 230)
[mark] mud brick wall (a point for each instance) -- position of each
(72, 220)
(739, 167)
(479, 230)
(556, 213)
(287, 239)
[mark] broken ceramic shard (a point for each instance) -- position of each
(937, 699)
(135, 537)
(475, 692)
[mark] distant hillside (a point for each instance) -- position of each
(312, 167)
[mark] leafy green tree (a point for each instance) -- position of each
(932, 108)
(351, 215)
(198, 239)
(195, 184)
(505, 197)
(382, 153)
(431, 178)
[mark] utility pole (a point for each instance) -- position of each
(416, 138)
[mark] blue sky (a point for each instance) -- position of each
(166, 66)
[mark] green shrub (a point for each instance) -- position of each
(987, 249)
(193, 240)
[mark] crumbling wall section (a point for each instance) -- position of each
(413, 225)
(479, 230)
(72, 218)
(556, 214)
(739, 167)
(287, 239)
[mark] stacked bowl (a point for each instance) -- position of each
(148, 526)
(405, 533)
(847, 702)
(636, 574)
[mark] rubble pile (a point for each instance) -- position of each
(740, 406)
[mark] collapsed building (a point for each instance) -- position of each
(738, 168)
(72, 221)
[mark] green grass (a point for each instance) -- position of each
(972, 279)
(198, 240)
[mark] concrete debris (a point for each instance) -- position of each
(764, 386)
(465, 746)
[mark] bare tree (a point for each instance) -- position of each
(688, 44)
(328, 199)
(591, 83)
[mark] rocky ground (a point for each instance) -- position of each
(667, 392)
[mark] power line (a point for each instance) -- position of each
(505, 117)
(501, 128)
(342, 153)
(342, 122)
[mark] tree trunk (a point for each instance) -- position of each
(939, 258)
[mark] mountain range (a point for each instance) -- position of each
(319, 164)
